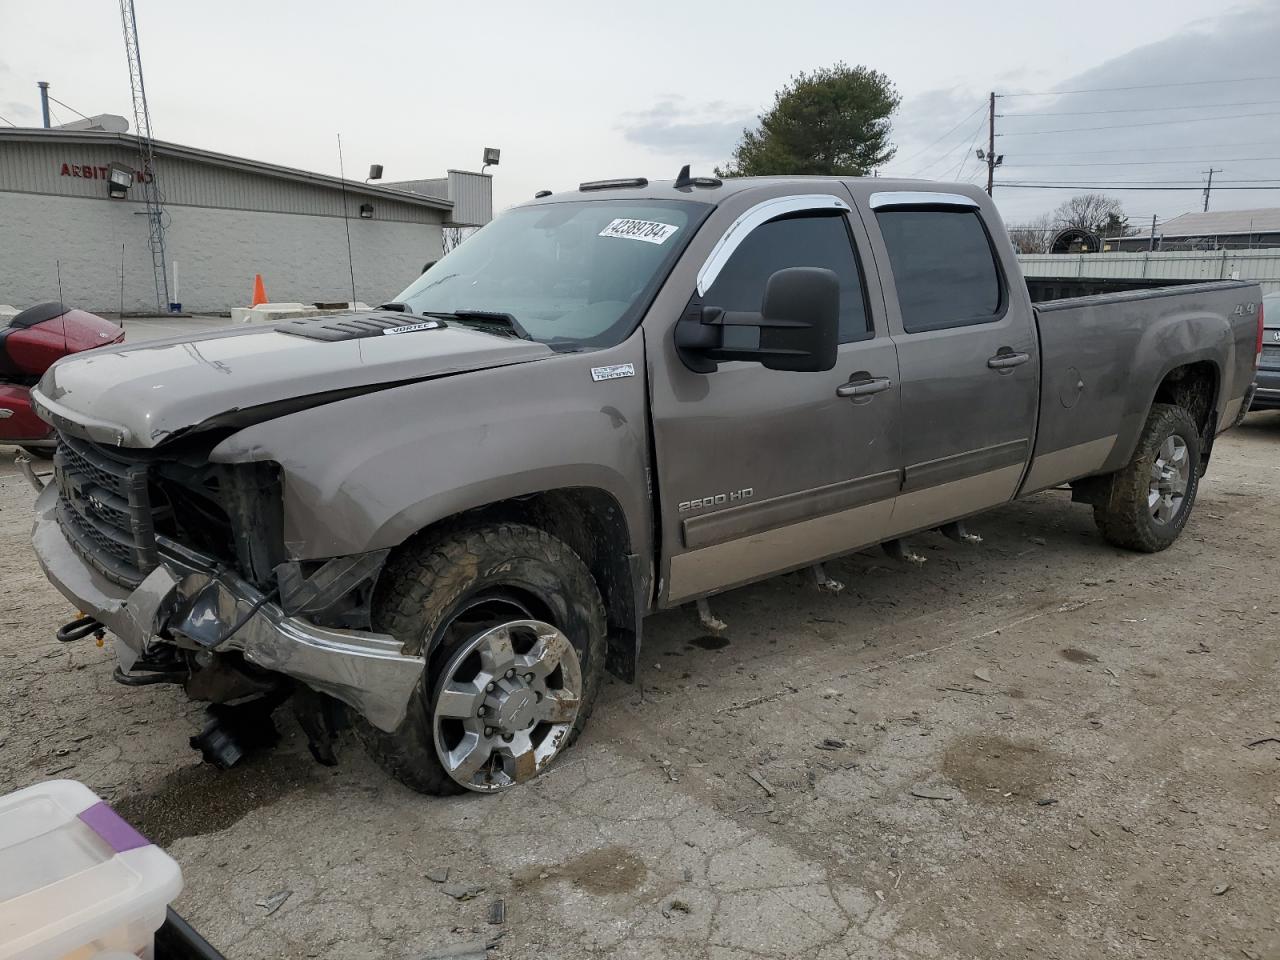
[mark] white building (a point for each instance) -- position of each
(63, 236)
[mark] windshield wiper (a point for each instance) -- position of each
(489, 318)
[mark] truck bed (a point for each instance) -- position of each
(1044, 289)
(1103, 356)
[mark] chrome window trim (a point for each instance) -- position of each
(761, 213)
(917, 198)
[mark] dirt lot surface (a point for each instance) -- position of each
(1039, 747)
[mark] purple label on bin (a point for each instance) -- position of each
(112, 828)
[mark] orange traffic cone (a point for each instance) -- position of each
(259, 291)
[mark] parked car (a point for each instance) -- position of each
(29, 344)
(1266, 386)
(453, 513)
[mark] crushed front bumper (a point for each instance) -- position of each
(190, 596)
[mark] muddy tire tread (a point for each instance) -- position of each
(425, 579)
(1122, 515)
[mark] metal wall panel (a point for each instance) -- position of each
(472, 196)
(1260, 265)
(79, 170)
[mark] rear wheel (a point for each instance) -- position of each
(513, 629)
(1147, 503)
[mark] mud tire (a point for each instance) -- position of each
(1121, 513)
(423, 586)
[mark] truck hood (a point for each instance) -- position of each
(140, 396)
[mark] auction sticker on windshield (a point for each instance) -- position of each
(650, 231)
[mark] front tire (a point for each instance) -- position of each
(1147, 502)
(513, 630)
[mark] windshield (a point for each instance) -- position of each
(574, 274)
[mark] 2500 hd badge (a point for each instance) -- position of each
(746, 493)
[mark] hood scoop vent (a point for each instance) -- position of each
(355, 326)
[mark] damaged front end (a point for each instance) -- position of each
(184, 562)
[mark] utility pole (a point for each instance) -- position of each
(1209, 186)
(1153, 232)
(44, 100)
(991, 144)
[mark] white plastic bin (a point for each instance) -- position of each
(76, 880)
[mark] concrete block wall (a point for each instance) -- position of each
(301, 257)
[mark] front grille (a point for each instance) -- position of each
(1270, 355)
(105, 510)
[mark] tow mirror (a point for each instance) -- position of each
(798, 325)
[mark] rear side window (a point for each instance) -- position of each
(943, 268)
(803, 241)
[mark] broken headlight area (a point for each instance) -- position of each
(116, 505)
(213, 603)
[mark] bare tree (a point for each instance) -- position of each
(1095, 212)
(1034, 236)
(451, 237)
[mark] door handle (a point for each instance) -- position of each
(1006, 361)
(864, 388)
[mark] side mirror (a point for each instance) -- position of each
(798, 324)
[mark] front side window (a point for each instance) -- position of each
(795, 241)
(943, 268)
(573, 274)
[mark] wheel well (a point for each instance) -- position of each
(1194, 387)
(592, 523)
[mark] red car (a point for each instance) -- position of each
(29, 344)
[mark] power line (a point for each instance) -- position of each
(1098, 153)
(1146, 123)
(941, 138)
(945, 157)
(1142, 163)
(1185, 181)
(964, 157)
(1121, 186)
(8, 121)
(1190, 106)
(1143, 86)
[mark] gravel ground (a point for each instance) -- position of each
(1039, 747)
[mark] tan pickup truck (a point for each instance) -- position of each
(446, 518)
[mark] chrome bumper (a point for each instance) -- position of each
(188, 595)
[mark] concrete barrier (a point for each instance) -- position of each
(275, 312)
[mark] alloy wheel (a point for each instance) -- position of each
(507, 701)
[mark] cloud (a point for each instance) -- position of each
(17, 111)
(1083, 130)
(706, 131)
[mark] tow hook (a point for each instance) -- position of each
(80, 628)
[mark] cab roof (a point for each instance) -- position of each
(702, 190)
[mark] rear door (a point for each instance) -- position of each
(761, 470)
(967, 353)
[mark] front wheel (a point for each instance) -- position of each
(1147, 502)
(513, 630)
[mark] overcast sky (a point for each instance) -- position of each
(572, 91)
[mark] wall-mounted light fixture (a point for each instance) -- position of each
(119, 178)
(491, 155)
(366, 211)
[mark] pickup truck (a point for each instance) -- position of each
(1266, 388)
(442, 521)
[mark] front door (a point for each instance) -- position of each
(967, 352)
(761, 471)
